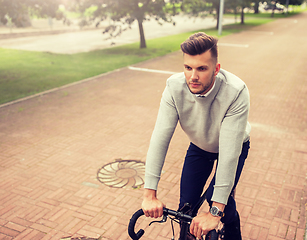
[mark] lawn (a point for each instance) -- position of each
(24, 73)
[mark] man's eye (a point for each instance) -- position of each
(202, 69)
(188, 68)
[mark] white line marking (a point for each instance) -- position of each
(262, 32)
(233, 45)
(151, 70)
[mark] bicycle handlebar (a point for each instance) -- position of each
(212, 235)
(132, 222)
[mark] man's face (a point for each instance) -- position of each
(200, 71)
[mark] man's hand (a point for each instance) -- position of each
(203, 223)
(151, 205)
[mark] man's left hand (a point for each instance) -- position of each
(203, 223)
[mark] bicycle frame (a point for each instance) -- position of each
(183, 219)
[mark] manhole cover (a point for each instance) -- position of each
(122, 174)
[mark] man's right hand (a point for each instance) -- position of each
(152, 206)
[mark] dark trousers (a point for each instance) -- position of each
(196, 170)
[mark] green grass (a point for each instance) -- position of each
(24, 73)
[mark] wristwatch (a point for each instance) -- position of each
(216, 212)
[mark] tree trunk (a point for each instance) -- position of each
(256, 7)
(273, 10)
(242, 15)
(142, 35)
(287, 6)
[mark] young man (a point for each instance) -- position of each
(212, 108)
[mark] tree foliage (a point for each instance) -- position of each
(291, 2)
(18, 11)
(123, 13)
(273, 4)
(196, 7)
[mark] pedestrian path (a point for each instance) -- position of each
(55, 149)
(69, 40)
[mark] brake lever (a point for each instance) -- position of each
(163, 220)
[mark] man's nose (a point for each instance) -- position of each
(194, 75)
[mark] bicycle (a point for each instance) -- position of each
(183, 217)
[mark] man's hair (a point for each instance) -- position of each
(199, 43)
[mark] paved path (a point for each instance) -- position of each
(91, 39)
(53, 145)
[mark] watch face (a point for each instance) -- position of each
(214, 211)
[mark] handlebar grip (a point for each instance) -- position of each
(212, 235)
(132, 222)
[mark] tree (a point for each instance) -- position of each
(19, 11)
(216, 6)
(256, 6)
(244, 4)
(291, 2)
(124, 12)
(230, 4)
(195, 8)
(273, 4)
(212, 6)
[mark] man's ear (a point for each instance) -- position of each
(217, 69)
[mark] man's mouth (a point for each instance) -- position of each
(194, 85)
